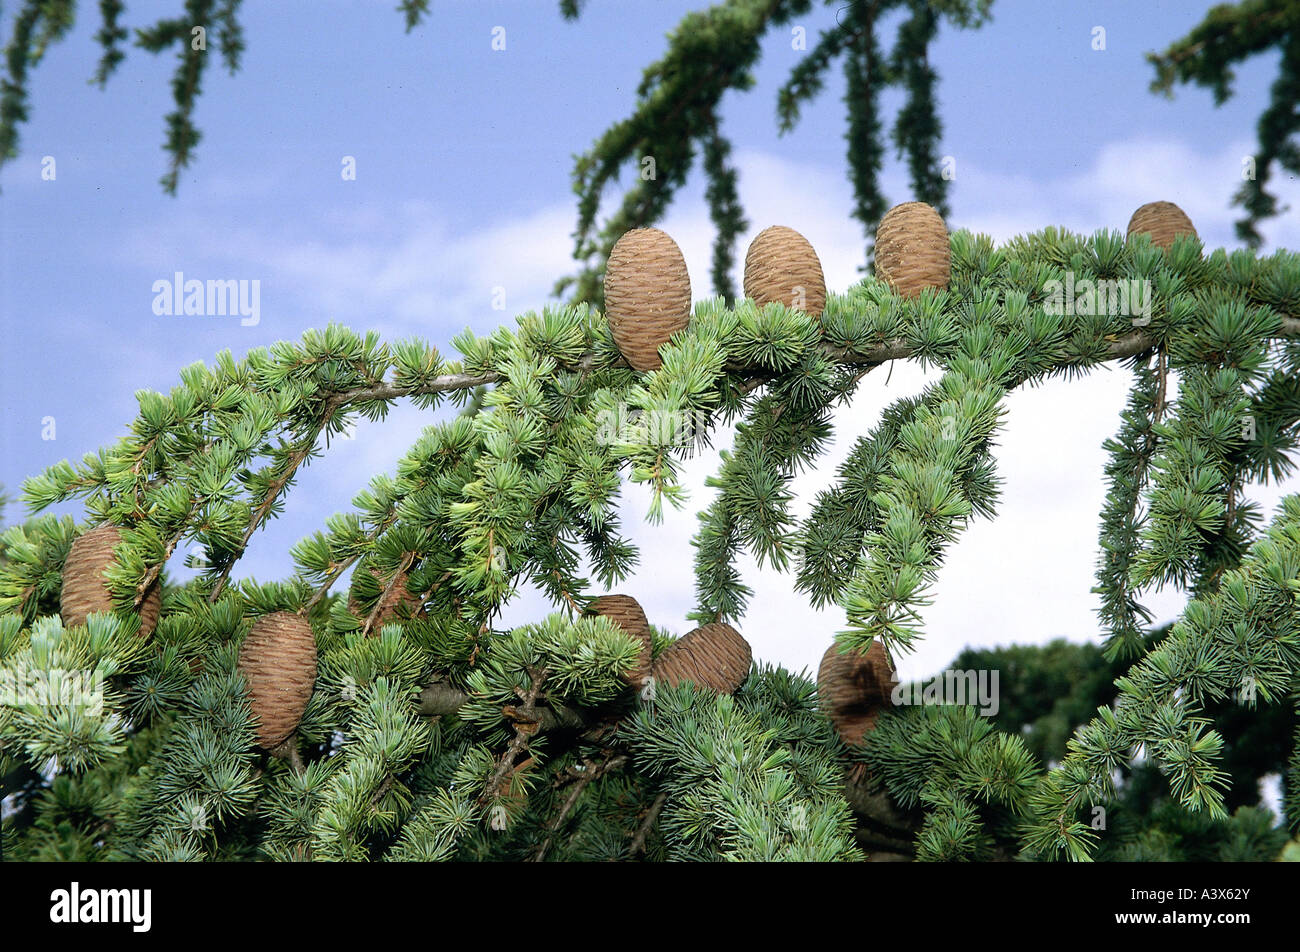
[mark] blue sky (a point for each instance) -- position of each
(463, 160)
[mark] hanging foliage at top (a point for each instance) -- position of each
(678, 111)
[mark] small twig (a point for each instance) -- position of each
(337, 569)
(335, 573)
(276, 487)
(382, 792)
(581, 780)
(151, 574)
(288, 750)
(647, 824)
(407, 560)
(526, 724)
(564, 590)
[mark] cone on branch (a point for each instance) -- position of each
(278, 660)
(912, 249)
(713, 656)
(782, 265)
(1163, 221)
(647, 295)
(854, 688)
(85, 587)
(626, 612)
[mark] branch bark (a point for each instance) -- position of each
(278, 485)
(1126, 346)
(580, 780)
(526, 725)
(643, 833)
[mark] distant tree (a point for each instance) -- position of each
(1047, 691)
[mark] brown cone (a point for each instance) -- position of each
(647, 295)
(854, 688)
(781, 265)
(278, 659)
(713, 656)
(625, 611)
(1163, 221)
(912, 251)
(85, 589)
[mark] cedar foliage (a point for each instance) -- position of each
(444, 736)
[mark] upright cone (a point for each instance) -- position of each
(781, 265)
(647, 295)
(853, 688)
(1163, 221)
(912, 251)
(713, 656)
(85, 589)
(626, 612)
(278, 659)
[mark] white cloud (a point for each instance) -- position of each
(402, 273)
(1124, 175)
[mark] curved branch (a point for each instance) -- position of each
(1126, 346)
